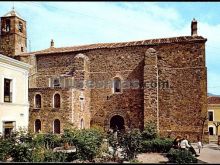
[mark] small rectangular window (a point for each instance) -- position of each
(7, 90)
(210, 115)
(81, 103)
(56, 82)
(22, 49)
(211, 131)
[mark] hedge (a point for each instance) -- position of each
(161, 145)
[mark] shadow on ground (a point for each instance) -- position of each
(215, 148)
(201, 162)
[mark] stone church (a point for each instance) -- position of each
(121, 85)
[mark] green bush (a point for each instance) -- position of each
(23, 147)
(21, 153)
(38, 140)
(50, 156)
(150, 131)
(28, 148)
(69, 136)
(88, 142)
(113, 142)
(23, 136)
(71, 156)
(161, 145)
(48, 140)
(130, 143)
(181, 156)
(26, 138)
(6, 146)
(38, 154)
(51, 140)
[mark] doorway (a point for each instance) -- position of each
(8, 127)
(117, 123)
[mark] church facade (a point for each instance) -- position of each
(121, 85)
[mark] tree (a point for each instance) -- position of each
(217, 124)
(203, 119)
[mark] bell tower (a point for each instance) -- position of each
(13, 35)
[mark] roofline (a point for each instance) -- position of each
(119, 45)
(13, 16)
(14, 62)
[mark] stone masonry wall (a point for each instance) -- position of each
(81, 110)
(6, 44)
(127, 64)
(182, 105)
(180, 65)
(12, 41)
(76, 100)
(47, 114)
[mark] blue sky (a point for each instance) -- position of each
(78, 23)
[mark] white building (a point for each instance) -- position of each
(14, 106)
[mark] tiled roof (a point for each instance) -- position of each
(12, 13)
(52, 50)
(214, 100)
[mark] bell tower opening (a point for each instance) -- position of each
(117, 123)
(13, 37)
(7, 25)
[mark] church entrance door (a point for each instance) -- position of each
(117, 122)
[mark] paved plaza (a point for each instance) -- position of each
(210, 153)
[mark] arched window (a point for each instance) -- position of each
(117, 85)
(56, 126)
(56, 100)
(37, 126)
(81, 124)
(38, 101)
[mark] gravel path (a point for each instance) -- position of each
(152, 158)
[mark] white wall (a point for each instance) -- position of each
(18, 110)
